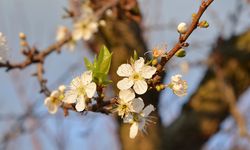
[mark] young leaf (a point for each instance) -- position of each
(104, 60)
(88, 64)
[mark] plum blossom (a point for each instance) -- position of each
(55, 99)
(62, 33)
(84, 29)
(81, 89)
(135, 75)
(139, 118)
(178, 85)
(124, 106)
(3, 48)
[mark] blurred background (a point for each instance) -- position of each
(207, 118)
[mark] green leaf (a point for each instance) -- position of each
(100, 66)
(88, 64)
(104, 60)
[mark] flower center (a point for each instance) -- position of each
(81, 90)
(136, 76)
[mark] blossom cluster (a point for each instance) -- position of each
(129, 105)
(135, 78)
(134, 82)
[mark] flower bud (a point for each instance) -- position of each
(102, 23)
(182, 28)
(22, 36)
(154, 62)
(180, 53)
(203, 24)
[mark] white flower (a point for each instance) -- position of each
(139, 118)
(86, 9)
(55, 99)
(3, 48)
(178, 85)
(124, 106)
(62, 32)
(84, 29)
(81, 88)
(135, 75)
(182, 28)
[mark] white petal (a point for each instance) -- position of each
(128, 118)
(90, 89)
(70, 97)
(47, 101)
(147, 72)
(77, 34)
(86, 77)
(52, 108)
(80, 105)
(142, 124)
(127, 95)
(76, 82)
(125, 70)
(133, 130)
(62, 88)
(137, 105)
(176, 78)
(139, 64)
(86, 34)
(54, 94)
(147, 110)
(140, 87)
(93, 27)
(125, 84)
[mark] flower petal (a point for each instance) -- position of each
(86, 34)
(52, 108)
(139, 64)
(125, 70)
(76, 82)
(90, 89)
(55, 93)
(70, 97)
(137, 105)
(133, 130)
(125, 84)
(147, 110)
(80, 105)
(128, 118)
(140, 87)
(86, 77)
(77, 34)
(47, 101)
(127, 95)
(147, 72)
(62, 88)
(176, 78)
